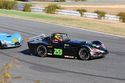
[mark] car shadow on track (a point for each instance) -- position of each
(26, 52)
(1, 48)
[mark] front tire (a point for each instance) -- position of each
(83, 54)
(41, 51)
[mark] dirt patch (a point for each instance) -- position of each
(110, 9)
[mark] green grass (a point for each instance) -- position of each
(91, 24)
(24, 14)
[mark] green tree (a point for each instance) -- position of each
(7, 4)
(61, 0)
(51, 9)
(81, 11)
(100, 14)
(27, 7)
(122, 16)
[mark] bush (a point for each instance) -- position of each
(27, 8)
(100, 14)
(1, 4)
(122, 16)
(81, 11)
(61, 0)
(7, 4)
(51, 9)
(79, 0)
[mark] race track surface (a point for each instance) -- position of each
(110, 69)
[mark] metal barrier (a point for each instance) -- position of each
(37, 9)
(90, 15)
(112, 17)
(74, 13)
(19, 7)
(68, 12)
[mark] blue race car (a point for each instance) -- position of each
(10, 40)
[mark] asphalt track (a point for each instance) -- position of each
(110, 69)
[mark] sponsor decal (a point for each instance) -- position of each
(15, 40)
(66, 45)
(49, 46)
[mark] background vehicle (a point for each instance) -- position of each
(59, 44)
(10, 40)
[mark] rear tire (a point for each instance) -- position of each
(83, 54)
(41, 51)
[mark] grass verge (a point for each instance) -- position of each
(78, 22)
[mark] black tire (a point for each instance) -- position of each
(41, 51)
(84, 54)
(17, 44)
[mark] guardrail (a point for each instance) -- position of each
(90, 15)
(37, 9)
(68, 12)
(112, 17)
(107, 17)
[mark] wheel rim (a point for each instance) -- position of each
(41, 50)
(83, 54)
(17, 44)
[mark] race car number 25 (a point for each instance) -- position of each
(57, 51)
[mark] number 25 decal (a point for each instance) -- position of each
(57, 51)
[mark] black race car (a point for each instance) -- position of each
(59, 45)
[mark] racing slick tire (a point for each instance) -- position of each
(84, 54)
(41, 51)
(17, 44)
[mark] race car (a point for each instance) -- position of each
(10, 40)
(60, 45)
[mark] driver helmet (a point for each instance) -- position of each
(57, 37)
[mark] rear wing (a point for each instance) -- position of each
(39, 37)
